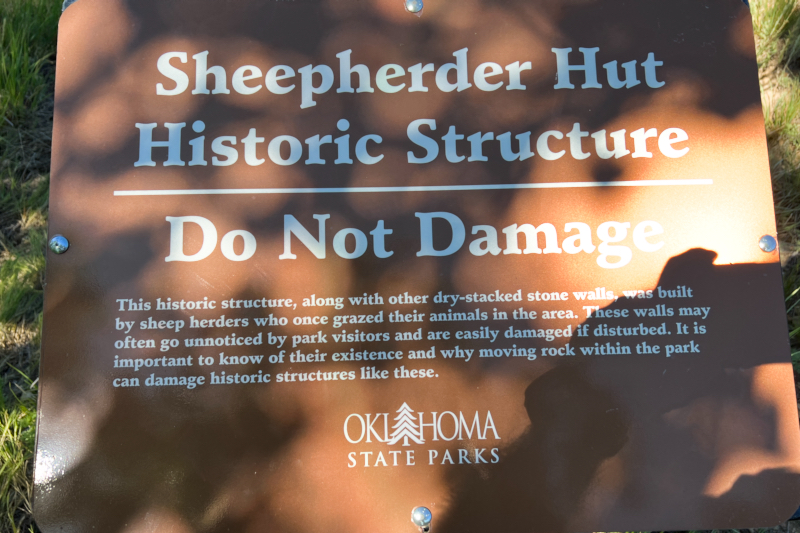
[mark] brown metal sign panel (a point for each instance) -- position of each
(330, 260)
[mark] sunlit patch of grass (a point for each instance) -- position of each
(782, 109)
(773, 22)
(17, 439)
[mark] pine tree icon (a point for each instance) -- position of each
(405, 428)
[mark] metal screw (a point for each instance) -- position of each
(768, 244)
(421, 517)
(413, 6)
(59, 244)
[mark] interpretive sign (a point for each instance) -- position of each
(329, 260)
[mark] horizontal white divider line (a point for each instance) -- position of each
(421, 188)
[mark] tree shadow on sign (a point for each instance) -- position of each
(145, 456)
(617, 440)
(574, 428)
(168, 465)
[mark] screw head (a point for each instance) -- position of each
(768, 243)
(413, 6)
(59, 244)
(421, 516)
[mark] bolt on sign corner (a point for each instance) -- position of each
(326, 261)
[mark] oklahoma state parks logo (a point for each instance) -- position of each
(403, 434)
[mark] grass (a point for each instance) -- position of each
(774, 25)
(17, 426)
(27, 51)
(777, 30)
(28, 31)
